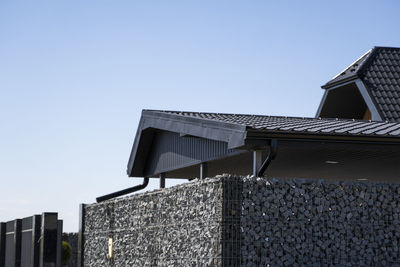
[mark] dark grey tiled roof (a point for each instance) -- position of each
(381, 76)
(379, 69)
(300, 125)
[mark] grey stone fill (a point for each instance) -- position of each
(177, 226)
(249, 221)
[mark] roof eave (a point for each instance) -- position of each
(319, 136)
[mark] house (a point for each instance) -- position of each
(355, 135)
(349, 218)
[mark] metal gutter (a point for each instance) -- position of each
(125, 191)
(395, 140)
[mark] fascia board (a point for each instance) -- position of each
(375, 115)
(340, 82)
(321, 104)
(135, 147)
(231, 133)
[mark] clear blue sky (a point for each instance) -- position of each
(75, 75)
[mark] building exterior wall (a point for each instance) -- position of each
(248, 221)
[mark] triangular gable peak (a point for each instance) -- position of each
(368, 89)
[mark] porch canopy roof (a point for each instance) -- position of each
(175, 143)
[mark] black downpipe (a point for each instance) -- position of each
(270, 157)
(125, 191)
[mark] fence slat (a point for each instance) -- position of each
(31, 242)
(17, 242)
(59, 241)
(36, 225)
(2, 244)
(48, 241)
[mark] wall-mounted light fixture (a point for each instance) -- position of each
(331, 162)
(110, 253)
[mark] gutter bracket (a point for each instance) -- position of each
(271, 156)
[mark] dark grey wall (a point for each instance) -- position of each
(247, 221)
(170, 151)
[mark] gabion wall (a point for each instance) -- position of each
(179, 226)
(248, 221)
(317, 223)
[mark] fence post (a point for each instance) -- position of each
(2, 244)
(17, 242)
(36, 225)
(81, 238)
(59, 241)
(48, 240)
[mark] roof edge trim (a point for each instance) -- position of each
(340, 82)
(375, 114)
(369, 51)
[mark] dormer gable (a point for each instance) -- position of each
(369, 88)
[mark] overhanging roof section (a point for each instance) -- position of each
(156, 120)
(233, 133)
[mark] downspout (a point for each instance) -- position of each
(271, 155)
(125, 191)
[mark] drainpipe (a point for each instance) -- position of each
(125, 191)
(270, 157)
